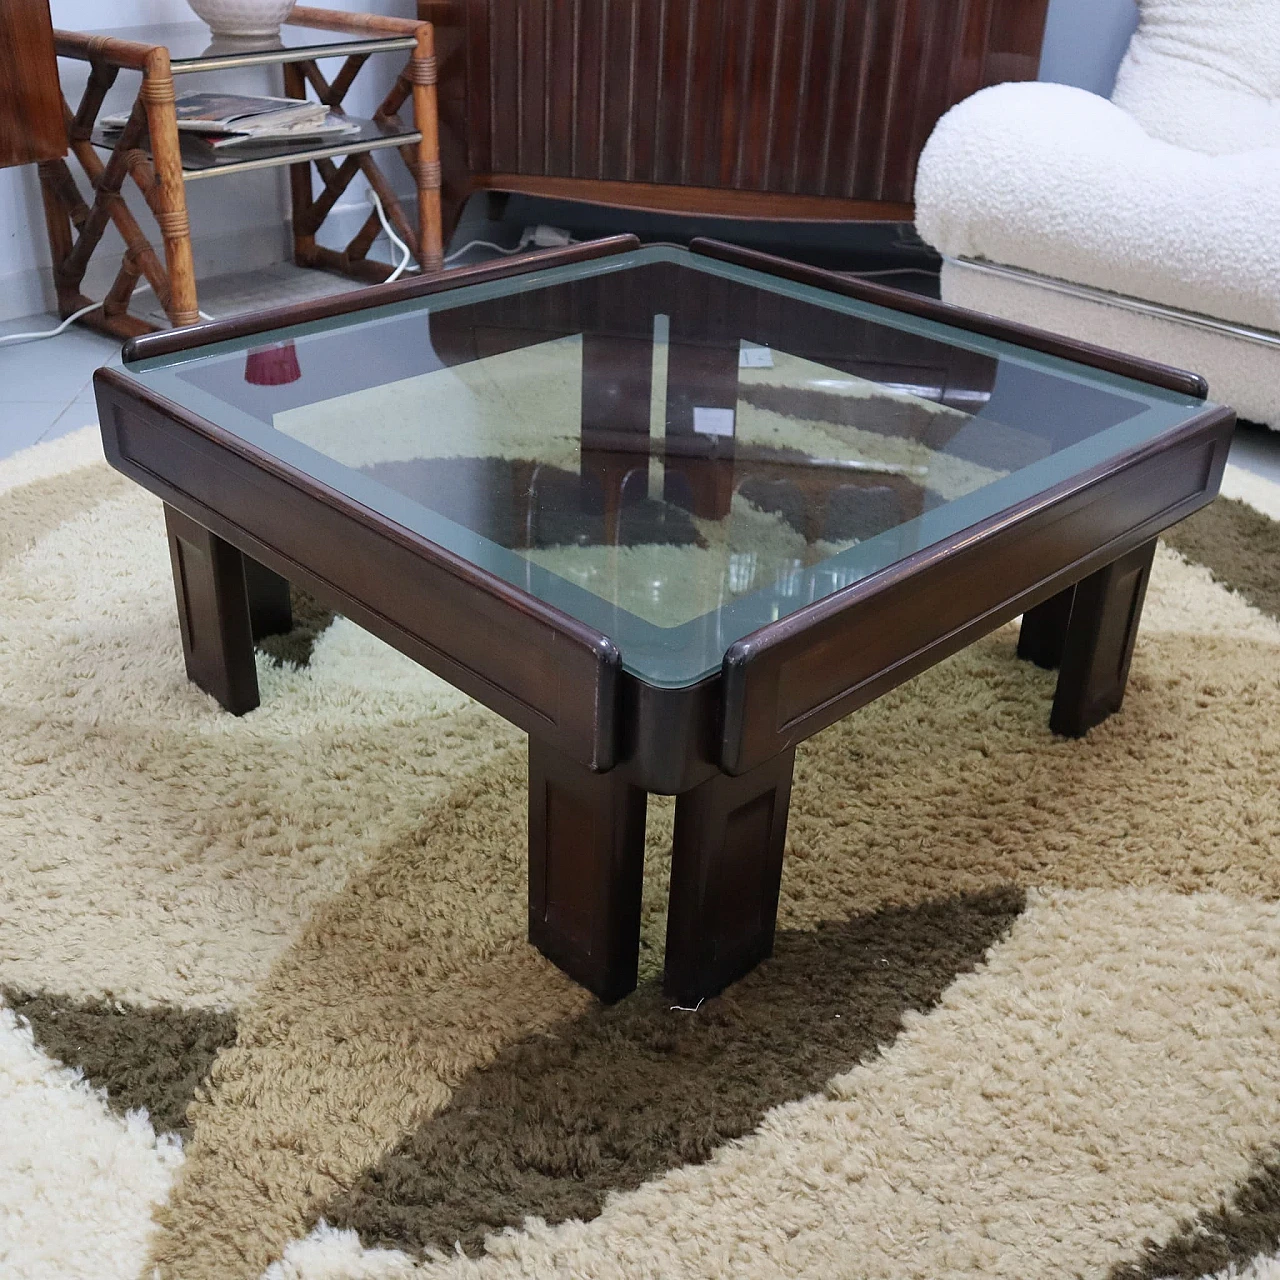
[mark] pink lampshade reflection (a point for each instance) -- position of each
(272, 366)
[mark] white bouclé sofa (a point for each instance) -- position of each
(1149, 222)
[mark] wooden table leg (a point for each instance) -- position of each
(726, 869)
(1044, 630)
(586, 866)
(270, 611)
(213, 613)
(1099, 643)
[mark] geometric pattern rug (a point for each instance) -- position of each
(267, 1007)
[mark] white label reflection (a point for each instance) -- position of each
(791, 579)
(828, 578)
(712, 422)
(742, 571)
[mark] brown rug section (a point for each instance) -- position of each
(622, 1095)
(310, 618)
(1238, 545)
(144, 1057)
(1237, 1231)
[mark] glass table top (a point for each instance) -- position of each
(193, 47)
(674, 450)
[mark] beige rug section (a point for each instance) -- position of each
(1024, 1128)
(344, 869)
(208, 840)
(413, 976)
(951, 784)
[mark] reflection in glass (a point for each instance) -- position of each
(272, 366)
(674, 451)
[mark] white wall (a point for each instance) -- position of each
(1084, 41)
(239, 222)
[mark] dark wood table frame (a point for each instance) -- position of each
(76, 227)
(1074, 560)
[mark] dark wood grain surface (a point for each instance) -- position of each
(826, 99)
(795, 677)
(544, 671)
(719, 202)
(31, 118)
(586, 870)
(726, 872)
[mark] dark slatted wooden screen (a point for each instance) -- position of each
(813, 97)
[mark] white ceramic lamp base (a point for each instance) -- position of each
(243, 19)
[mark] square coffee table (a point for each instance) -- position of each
(671, 512)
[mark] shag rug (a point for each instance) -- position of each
(268, 1008)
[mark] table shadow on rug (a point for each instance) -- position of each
(558, 1122)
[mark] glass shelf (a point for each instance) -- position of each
(269, 155)
(193, 47)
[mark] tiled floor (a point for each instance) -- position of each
(1258, 450)
(46, 387)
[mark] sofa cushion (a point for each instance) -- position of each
(1205, 73)
(1059, 181)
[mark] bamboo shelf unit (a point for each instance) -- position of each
(148, 150)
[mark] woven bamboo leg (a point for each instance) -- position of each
(136, 243)
(63, 201)
(170, 203)
(57, 220)
(422, 72)
(300, 193)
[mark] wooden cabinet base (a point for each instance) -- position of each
(792, 110)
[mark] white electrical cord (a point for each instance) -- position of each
(539, 237)
(141, 287)
(391, 235)
(51, 333)
(483, 244)
(892, 271)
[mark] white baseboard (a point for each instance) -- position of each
(26, 293)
